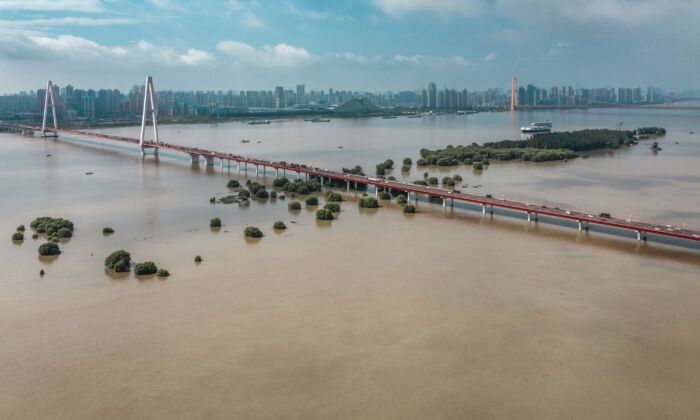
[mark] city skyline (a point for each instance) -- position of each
(252, 45)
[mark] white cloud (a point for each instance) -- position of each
(26, 45)
(442, 8)
(490, 56)
(89, 6)
(195, 57)
(280, 55)
(76, 47)
(67, 21)
(348, 56)
(412, 59)
(596, 12)
(308, 14)
(251, 20)
(246, 16)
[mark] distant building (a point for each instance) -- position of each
(359, 105)
(301, 95)
(432, 96)
(279, 97)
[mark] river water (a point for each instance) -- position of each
(376, 314)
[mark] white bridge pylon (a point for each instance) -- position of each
(49, 97)
(149, 94)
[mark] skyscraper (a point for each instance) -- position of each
(432, 96)
(301, 95)
(279, 97)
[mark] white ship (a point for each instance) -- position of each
(537, 127)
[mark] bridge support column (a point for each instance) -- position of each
(277, 172)
(322, 182)
(641, 236)
(444, 203)
(209, 160)
(376, 192)
(582, 225)
(245, 168)
(531, 217)
(347, 186)
(194, 158)
(484, 209)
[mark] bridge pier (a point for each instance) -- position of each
(641, 236)
(582, 225)
(194, 158)
(347, 186)
(277, 172)
(531, 217)
(483, 209)
(209, 160)
(256, 170)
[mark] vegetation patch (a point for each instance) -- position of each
(333, 196)
(332, 206)
(369, 203)
(198, 259)
(107, 230)
(409, 208)
(401, 199)
(18, 236)
(119, 261)
(51, 226)
(385, 195)
(324, 214)
(252, 232)
(357, 170)
(540, 148)
(294, 206)
(384, 166)
(49, 248)
(20, 228)
(279, 225)
(243, 195)
(162, 272)
(145, 268)
(312, 201)
(215, 222)
(232, 183)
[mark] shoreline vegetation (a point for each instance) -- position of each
(545, 147)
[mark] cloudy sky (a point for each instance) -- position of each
(352, 44)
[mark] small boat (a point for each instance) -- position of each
(655, 147)
(245, 141)
(389, 117)
(692, 132)
(414, 116)
(257, 122)
(88, 173)
(319, 120)
(537, 127)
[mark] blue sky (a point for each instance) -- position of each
(360, 44)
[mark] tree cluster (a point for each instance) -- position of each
(119, 261)
(369, 203)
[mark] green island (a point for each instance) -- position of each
(540, 148)
(119, 261)
(54, 228)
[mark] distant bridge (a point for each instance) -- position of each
(581, 218)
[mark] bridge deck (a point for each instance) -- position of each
(638, 226)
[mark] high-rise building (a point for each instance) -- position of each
(432, 96)
(279, 97)
(301, 95)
